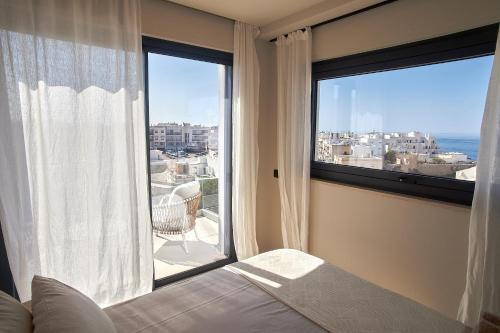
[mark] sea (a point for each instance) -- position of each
(462, 144)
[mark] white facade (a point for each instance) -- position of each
(466, 174)
(362, 151)
(176, 137)
(213, 138)
(198, 166)
(376, 144)
(155, 154)
(452, 157)
(411, 143)
(365, 162)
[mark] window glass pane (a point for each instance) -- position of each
(186, 127)
(423, 120)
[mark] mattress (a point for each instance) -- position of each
(337, 300)
(278, 291)
(217, 301)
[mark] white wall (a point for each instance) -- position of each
(166, 20)
(401, 22)
(268, 206)
(415, 247)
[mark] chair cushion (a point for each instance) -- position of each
(186, 190)
(14, 317)
(58, 308)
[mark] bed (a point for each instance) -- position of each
(278, 291)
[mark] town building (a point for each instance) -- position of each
(376, 144)
(173, 137)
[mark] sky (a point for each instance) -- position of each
(440, 99)
(182, 90)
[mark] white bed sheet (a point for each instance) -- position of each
(337, 300)
(218, 301)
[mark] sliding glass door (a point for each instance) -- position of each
(189, 133)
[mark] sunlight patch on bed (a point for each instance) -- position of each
(278, 266)
(254, 277)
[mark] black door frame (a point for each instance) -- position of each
(169, 48)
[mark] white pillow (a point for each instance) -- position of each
(58, 308)
(14, 317)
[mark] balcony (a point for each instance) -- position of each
(203, 247)
(199, 243)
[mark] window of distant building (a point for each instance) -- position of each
(188, 90)
(404, 119)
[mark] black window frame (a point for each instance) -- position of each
(180, 50)
(458, 46)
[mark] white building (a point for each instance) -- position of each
(411, 143)
(155, 154)
(198, 166)
(213, 138)
(466, 174)
(452, 157)
(376, 144)
(362, 151)
(365, 162)
(175, 137)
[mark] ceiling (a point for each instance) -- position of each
(256, 12)
(277, 17)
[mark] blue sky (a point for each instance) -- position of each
(437, 99)
(182, 90)
(441, 99)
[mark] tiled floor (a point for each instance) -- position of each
(170, 257)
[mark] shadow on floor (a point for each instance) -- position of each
(199, 253)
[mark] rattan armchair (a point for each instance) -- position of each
(178, 214)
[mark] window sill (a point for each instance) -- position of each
(435, 188)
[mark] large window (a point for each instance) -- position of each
(405, 119)
(189, 131)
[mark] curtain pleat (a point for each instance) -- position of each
(482, 291)
(294, 135)
(245, 139)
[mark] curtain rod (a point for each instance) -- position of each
(341, 17)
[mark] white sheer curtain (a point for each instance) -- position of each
(245, 131)
(73, 168)
(482, 291)
(294, 139)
